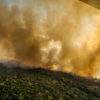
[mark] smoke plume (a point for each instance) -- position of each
(54, 34)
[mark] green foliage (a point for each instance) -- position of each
(39, 84)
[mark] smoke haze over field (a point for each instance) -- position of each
(55, 34)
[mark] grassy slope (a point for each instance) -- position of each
(40, 84)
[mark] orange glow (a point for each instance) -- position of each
(55, 34)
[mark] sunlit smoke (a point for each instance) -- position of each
(54, 34)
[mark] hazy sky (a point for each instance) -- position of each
(54, 34)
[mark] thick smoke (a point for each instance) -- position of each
(54, 34)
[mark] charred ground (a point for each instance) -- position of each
(39, 84)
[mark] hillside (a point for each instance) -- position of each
(94, 3)
(40, 84)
